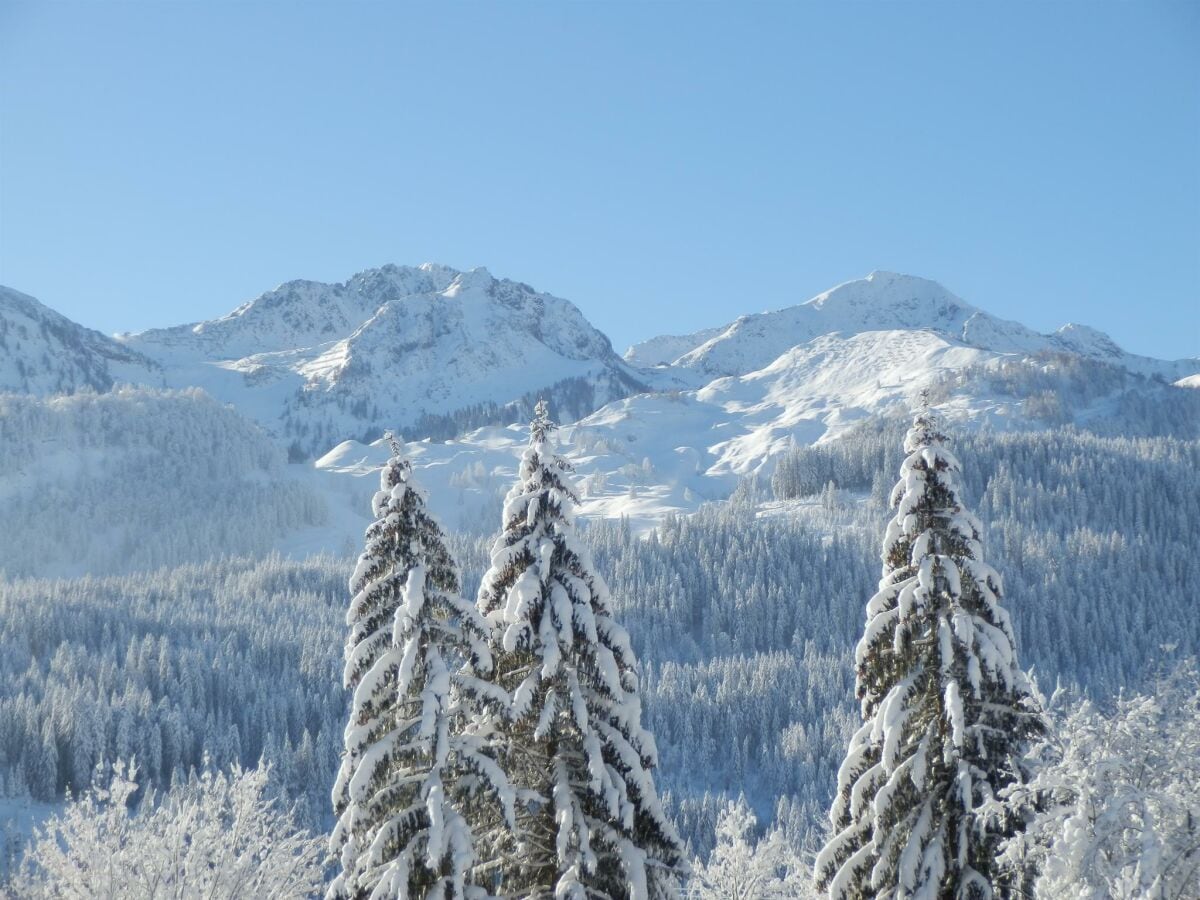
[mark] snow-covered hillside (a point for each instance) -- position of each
(42, 352)
(652, 454)
(666, 348)
(432, 351)
(883, 301)
(428, 350)
(138, 478)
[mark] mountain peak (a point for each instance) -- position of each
(884, 276)
(313, 361)
(472, 279)
(1088, 341)
(892, 289)
(880, 301)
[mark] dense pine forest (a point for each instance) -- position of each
(744, 617)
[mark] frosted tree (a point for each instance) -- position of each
(947, 712)
(416, 774)
(589, 820)
(743, 868)
(216, 835)
(1119, 797)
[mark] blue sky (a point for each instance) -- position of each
(666, 166)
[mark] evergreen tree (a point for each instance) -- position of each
(589, 821)
(947, 712)
(416, 775)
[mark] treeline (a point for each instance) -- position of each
(1063, 389)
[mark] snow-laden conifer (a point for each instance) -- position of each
(416, 775)
(947, 711)
(589, 821)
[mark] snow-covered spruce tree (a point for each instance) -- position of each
(416, 776)
(589, 821)
(947, 712)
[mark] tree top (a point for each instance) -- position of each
(394, 442)
(542, 425)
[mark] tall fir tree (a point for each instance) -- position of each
(417, 775)
(589, 820)
(947, 712)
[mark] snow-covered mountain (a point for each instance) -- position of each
(43, 352)
(807, 374)
(427, 350)
(653, 454)
(437, 353)
(883, 301)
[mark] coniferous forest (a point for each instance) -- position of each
(651, 716)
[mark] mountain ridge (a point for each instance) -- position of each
(881, 301)
(431, 352)
(44, 352)
(409, 348)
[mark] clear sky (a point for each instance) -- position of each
(665, 165)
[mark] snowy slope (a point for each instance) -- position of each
(423, 349)
(434, 351)
(43, 352)
(648, 455)
(137, 478)
(889, 301)
(666, 348)
(653, 454)
(296, 314)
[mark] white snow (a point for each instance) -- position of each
(891, 301)
(649, 455)
(667, 348)
(43, 352)
(405, 341)
(395, 342)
